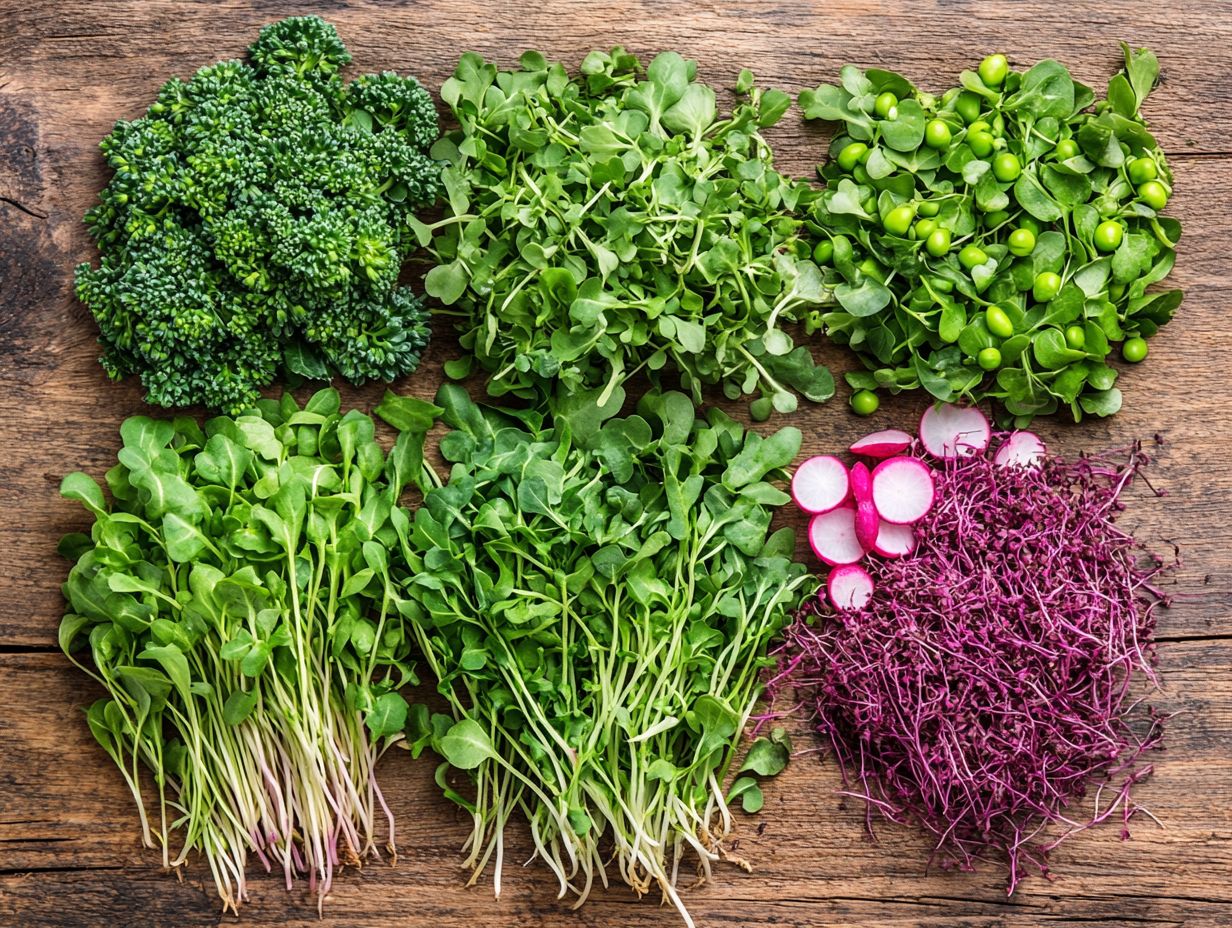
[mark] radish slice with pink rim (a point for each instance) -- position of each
(894, 540)
(1021, 449)
(849, 587)
(884, 444)
(952, 431)
(866, 513)
(820, 484)
(903, 490)
(832, 536)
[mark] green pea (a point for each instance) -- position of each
(1134, 350)
(937, 134)
(924, 228)
(870, 204)
(1021, 242)
(1076, 337)
(1047, 285)
(1005, 167)
(1153, 194)
(972, 256)
(981, 143)
(898, 220)
(1116, 291)
(998, 322)
(1141, 170)
(995, 218)
(940, 284)
(823, 252)
(886, 105)
(938, 242)
(1065, 149)
(993, 70)
(967, 105)
(928, 208)
(864, 402)
(1031, 224)
(860, 173)
(979, 126)
(1108, 235)
(850, 156)
(989, 358)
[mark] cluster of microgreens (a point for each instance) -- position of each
(617, 223)
(996, 240)
(988, 685)
(596, 599)
(236, 603)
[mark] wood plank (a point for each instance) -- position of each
(66, 823)
(808, 847)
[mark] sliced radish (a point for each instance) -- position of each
(832, 536)
(866, 512)
(894, 540)
(883, 444)
(1021, 449)
(849, 587)
(952, 431)
(820, 484)
(902, 489)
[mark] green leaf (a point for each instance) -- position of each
(1102, 403)
(85, 490)
(407, 413)
(300, 359)
(466, 745)
(239, 706)
(766, 758)
(447, 282)
(747, 790)
(388, 715)
(183, 540)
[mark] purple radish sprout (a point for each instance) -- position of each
(990, 682)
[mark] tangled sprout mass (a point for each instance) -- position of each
(257, 222)
(987, 687)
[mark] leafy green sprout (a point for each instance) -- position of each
(615, 223)
(234, 600)
(595, 597)
(1028, 196)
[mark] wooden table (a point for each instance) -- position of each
(67, 829)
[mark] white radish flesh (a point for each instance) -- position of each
(832, 536)
(1021, 449)
(849, 587)
(903, 490)
(894, 540)
(820, 484)
(884, 444)
(952, 431)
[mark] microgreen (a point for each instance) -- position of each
(989, 683)
(615, 222)
(996, 241)
(595, 597)
(235, 602)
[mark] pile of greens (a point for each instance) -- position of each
(611, 223)
(595, 599)
(257, 222)
(996, 241)
(236, 603)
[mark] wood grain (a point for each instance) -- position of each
(71, 856)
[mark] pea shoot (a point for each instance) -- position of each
(1014, 226)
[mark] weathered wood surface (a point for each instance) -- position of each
(68, 835)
